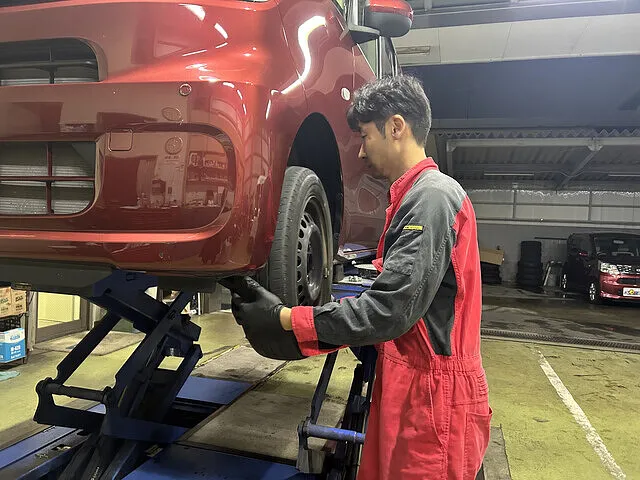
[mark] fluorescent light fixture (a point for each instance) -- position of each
(508, 174)
(414, 50)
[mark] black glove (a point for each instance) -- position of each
(257, 310)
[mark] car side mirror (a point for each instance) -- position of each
(386, 18)
(392, 18)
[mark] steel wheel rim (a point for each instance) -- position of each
(310, 255)
(592, 292)
(564, 282)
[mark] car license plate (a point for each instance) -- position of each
(631, 292)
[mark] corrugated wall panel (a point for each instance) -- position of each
(545, 213)
(484, 210)
(548, 217)
(557, 198)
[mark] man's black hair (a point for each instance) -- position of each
(380, 99)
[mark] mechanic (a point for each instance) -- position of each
(430, 415)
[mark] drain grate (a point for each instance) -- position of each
(491, 332)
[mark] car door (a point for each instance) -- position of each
(323, 53)
(369, 200)
(571, 266)
(585, 252)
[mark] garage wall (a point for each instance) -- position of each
(507, 217)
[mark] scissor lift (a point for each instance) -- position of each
(137, 417)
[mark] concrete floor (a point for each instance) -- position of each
(553, 313)
(542, 438)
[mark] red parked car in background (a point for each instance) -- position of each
(604, 265)
(191, 141)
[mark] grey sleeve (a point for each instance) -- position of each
(418, 248)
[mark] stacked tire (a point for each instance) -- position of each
(490, 273)
(530, 268)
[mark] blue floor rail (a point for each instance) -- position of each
(43, 455)
(179, 462)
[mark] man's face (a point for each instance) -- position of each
(376, 149)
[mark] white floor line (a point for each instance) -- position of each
(592, 435)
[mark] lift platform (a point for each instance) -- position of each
(161, 423)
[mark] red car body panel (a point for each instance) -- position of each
(225, 82)
(612, 286)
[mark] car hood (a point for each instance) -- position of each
(621, 260)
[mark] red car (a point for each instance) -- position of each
(605, 265)
(189, 141)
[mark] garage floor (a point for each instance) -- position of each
(593, 431)
(560, 315)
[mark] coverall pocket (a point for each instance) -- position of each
(476, 441)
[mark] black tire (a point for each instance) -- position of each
(533, 273)
(530, 272)
(490, 274)
(530, 265)
(531, 247)
(492, 280)
(533, 280)
(530, 251)
(488, 267)
(300, 265)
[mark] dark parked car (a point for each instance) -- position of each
(604, 265)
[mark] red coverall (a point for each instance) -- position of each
(430, 416)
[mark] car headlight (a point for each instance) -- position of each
(609, 268)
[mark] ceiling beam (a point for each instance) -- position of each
(578, 168)
(603, 120)
(518, 12)
(450, 159)
(509, 169)
(575, 186)
(495, 169)
(591, 143)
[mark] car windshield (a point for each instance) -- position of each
(614, 246)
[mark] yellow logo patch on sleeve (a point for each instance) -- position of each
(413, 227)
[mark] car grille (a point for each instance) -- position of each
(49, 178)
(630, 281)
(629, 269)
(47, 62)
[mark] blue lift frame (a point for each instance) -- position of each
(113, 440)
(143, 393)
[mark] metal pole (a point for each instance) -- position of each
(75, 392)
(338, 434)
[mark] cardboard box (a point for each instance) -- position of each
(12, 345)
(5, 302)
(18, 302)
(494, 257)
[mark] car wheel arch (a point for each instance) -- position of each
(316, 148)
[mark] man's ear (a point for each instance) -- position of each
(398, 126)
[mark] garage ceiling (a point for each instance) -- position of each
(531, 93)
(542, 159)
(524, 40)
(591, 92)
